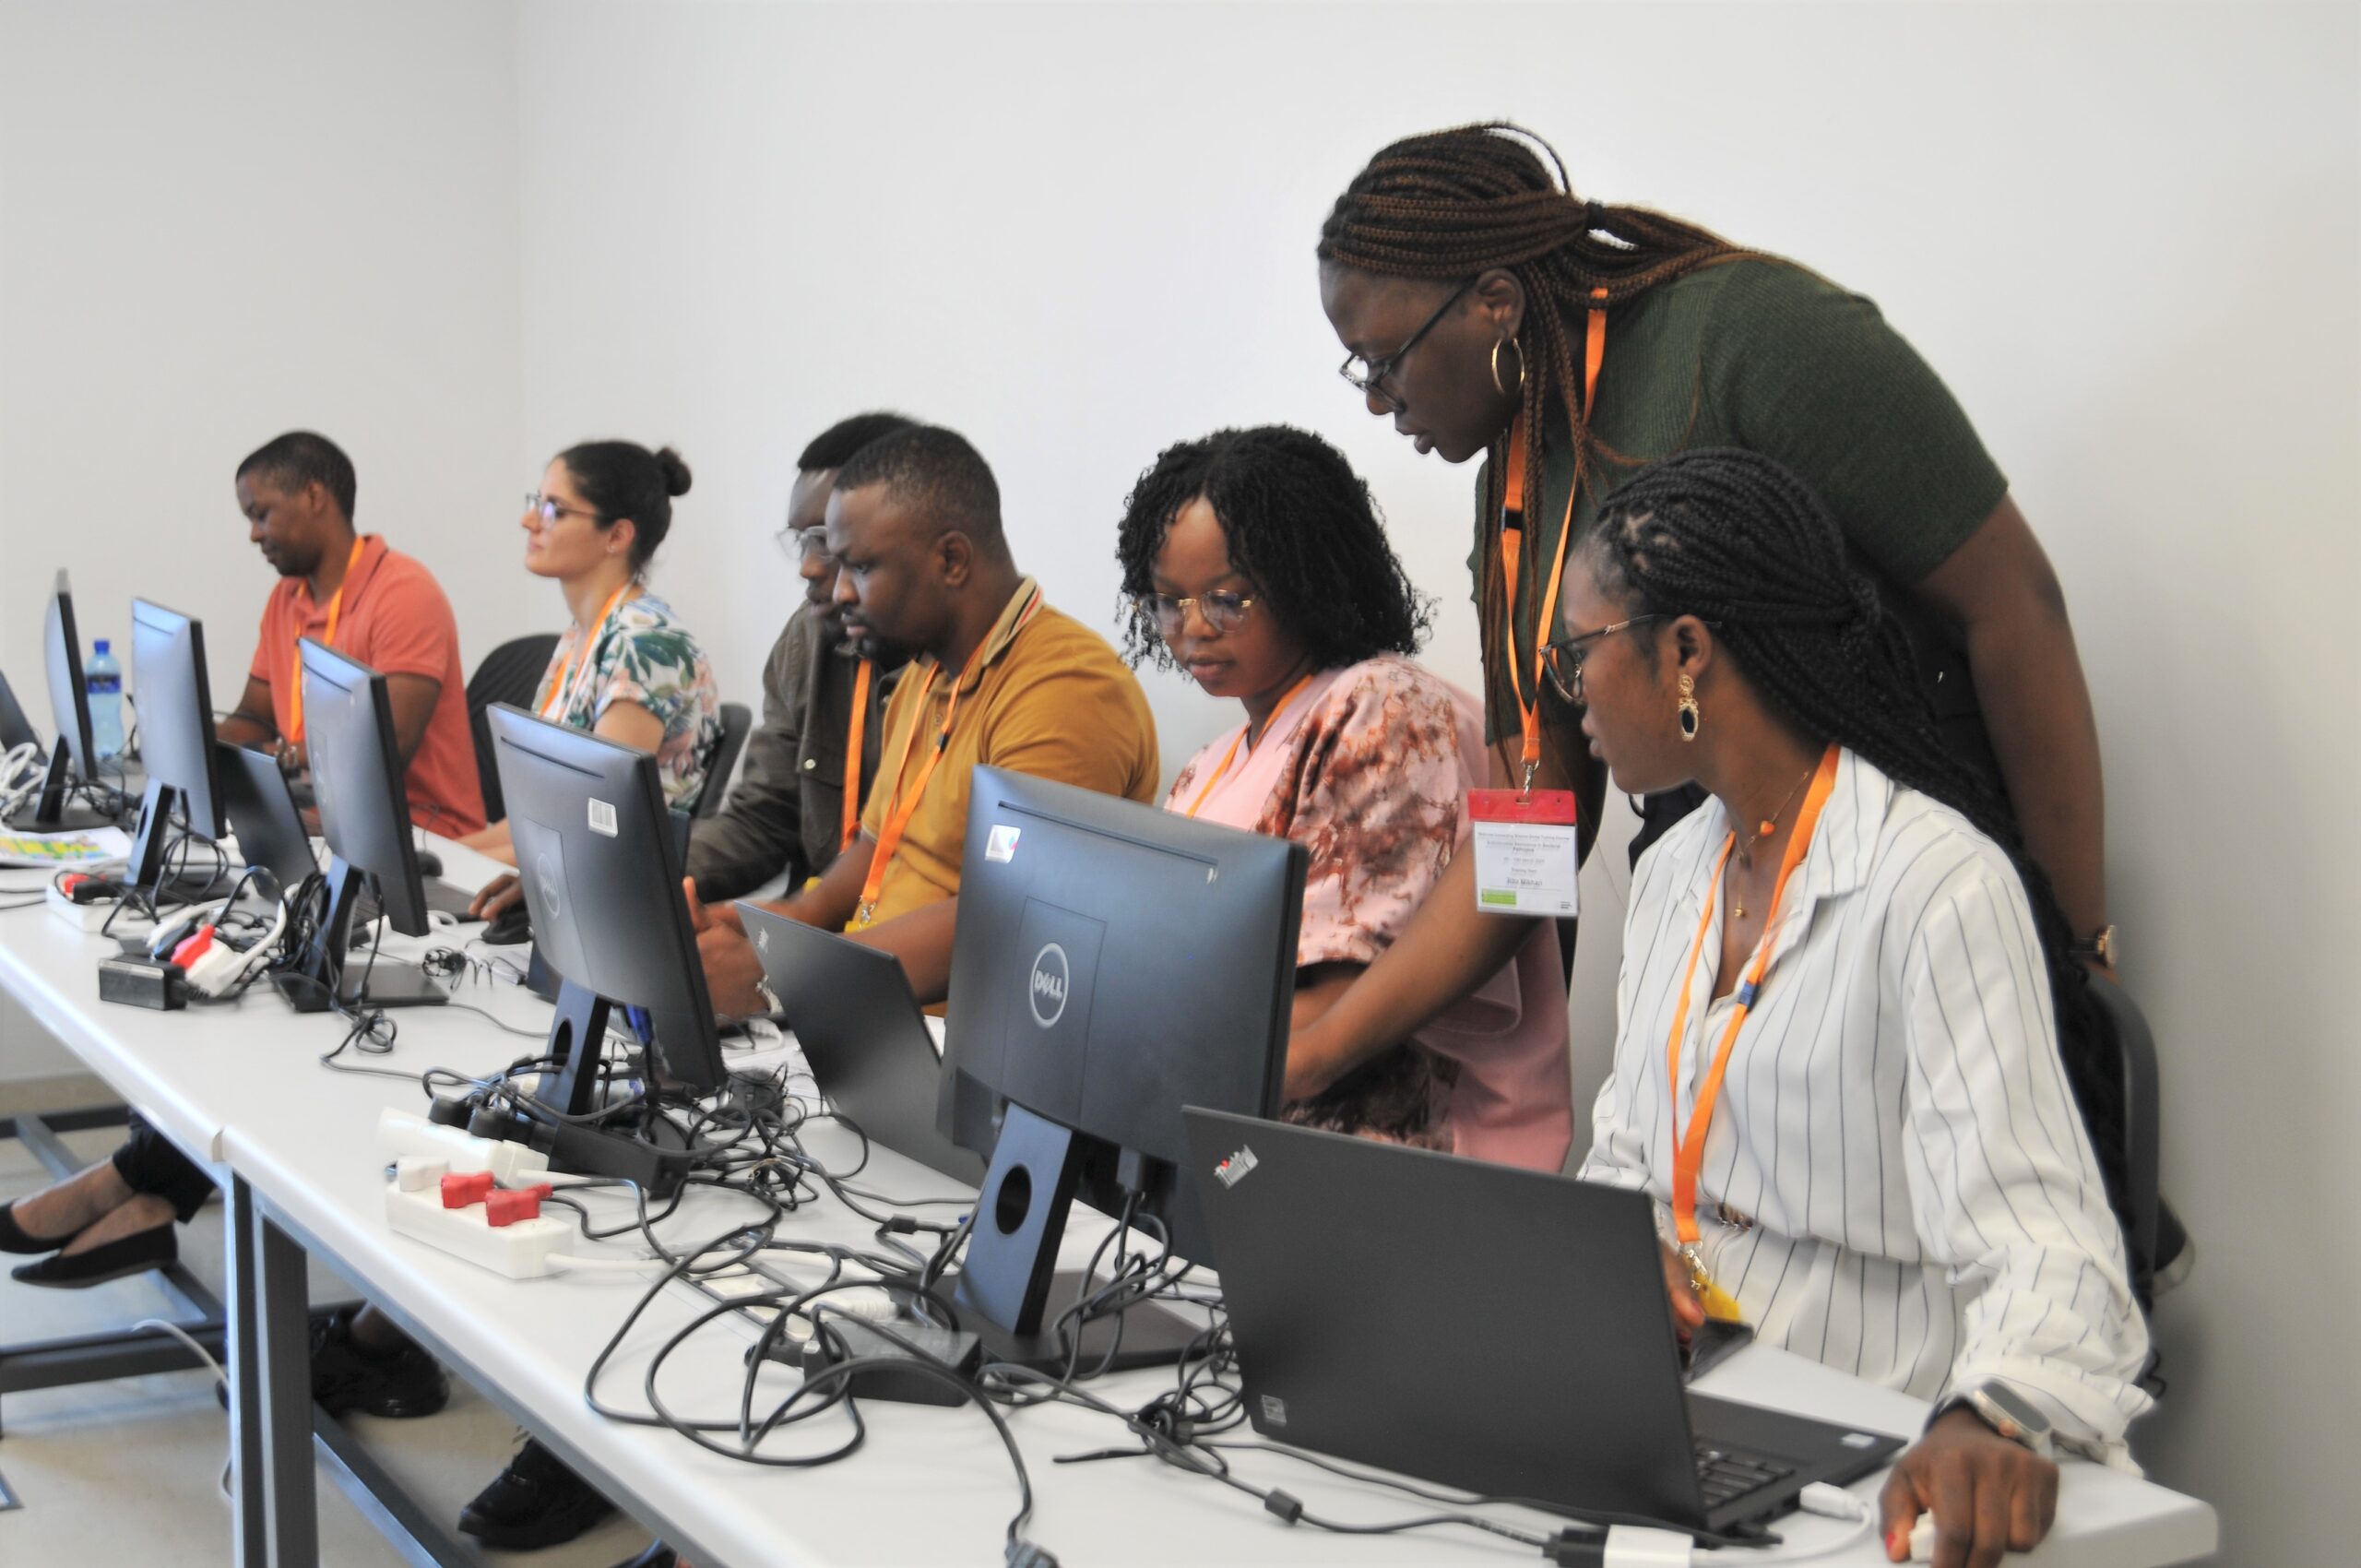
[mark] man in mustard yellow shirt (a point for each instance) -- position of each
(1000, 680)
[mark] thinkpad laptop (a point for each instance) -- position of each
(1499, 1330)
(860, 1028)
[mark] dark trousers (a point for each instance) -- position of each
(149, 1163)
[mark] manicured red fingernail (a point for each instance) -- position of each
(1896, 1539)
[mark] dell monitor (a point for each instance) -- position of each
(1114, 963)
(73, 761)
(175, 737)
(601, 872)
(364, 816)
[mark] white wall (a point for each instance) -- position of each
(2127, 235)
(219, 222)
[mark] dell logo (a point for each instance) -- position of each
(1048, 989)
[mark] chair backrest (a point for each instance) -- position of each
(2142, 1136)
(737, 723)
(509, 674)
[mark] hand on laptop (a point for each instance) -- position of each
(495, 895)
(1988, 1495)
(705, 916)
(732, 969)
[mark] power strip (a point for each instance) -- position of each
(521, 1249)
(512, 1165)
(90, 918)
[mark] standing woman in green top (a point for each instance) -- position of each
(1492, 312)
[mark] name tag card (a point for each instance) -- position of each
(1526, 857)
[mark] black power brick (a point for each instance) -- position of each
(142, 983)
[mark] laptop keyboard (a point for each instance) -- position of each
(1726, 1477)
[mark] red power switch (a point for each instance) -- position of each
(459, 1190)
(503, 1206)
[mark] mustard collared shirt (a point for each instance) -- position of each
(1050, 698)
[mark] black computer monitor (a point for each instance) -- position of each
(15, 730)
(1114, 963)
(73, 760)
(364, 816)
(597, 854)
(175, 737)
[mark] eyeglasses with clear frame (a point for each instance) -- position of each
(1365, 376)
(800, 545)
(550, 509)
(1562, 661)
(1222, 609)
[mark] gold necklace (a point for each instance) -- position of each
(1762, 830)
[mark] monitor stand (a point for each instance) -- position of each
(146, 874)
(52, 811)
(328, 972)
(1011, 1292)
(577, 1044)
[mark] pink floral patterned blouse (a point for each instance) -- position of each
(1369, 769)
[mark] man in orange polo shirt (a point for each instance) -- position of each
(368, 602)
(998, 679)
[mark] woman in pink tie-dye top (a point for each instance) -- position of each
(1256, 563)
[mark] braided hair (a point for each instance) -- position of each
(1446, 206)
(1300, 524)
(1741, 543)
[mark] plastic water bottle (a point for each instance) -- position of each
(103, 679)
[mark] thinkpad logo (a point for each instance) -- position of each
(1236, 1167)
(1048, 988)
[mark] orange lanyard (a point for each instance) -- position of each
(1688, 1145)
(852, 755)
(1231, 756)
(336, 612)
(560, 698)
(1513, 544)
(898, 812)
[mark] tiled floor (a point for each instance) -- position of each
(136, 1466)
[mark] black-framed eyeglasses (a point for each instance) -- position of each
(1562, 661)
(1364, 375)
(1222, 609)
(550, 509)
(800, 545)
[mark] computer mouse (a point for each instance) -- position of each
(511, 925)
(429, 863)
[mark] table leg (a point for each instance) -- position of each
(251, 1547)
(284, 1302)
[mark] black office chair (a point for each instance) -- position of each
(2152, 1231)
(737, 723)
(509, 674)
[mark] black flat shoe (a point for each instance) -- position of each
(400, 1384)
(657, 1555)
(135, 1253)
(12, 1238)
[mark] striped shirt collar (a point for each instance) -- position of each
(1842, 848)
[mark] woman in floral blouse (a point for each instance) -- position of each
(1255, 563)
(625, 669)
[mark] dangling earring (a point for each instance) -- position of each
(1687, 708)
(1506, 391)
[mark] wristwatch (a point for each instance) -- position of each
(2101, 946)
(2003, 1409)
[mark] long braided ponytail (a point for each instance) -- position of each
(1739, 541)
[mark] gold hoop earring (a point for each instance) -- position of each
(1687, 709)
(1505, 391)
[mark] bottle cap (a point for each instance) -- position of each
(101, 644)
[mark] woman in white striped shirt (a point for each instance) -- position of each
(1838, 1065)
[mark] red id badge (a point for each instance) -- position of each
(1526, 857)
